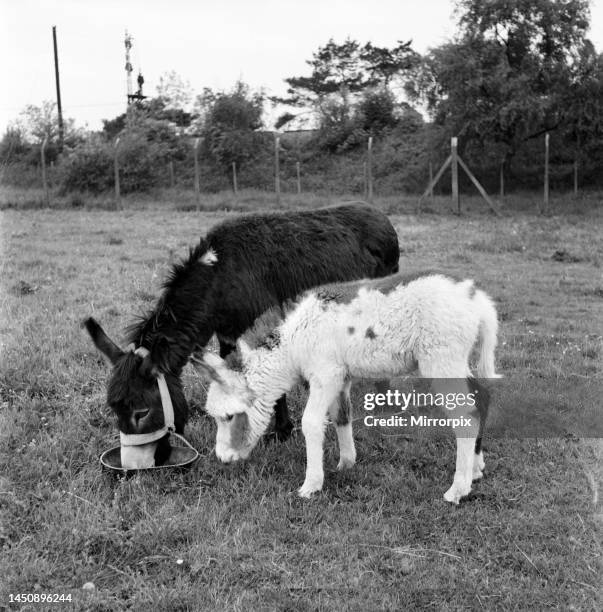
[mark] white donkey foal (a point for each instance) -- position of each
(365, 329)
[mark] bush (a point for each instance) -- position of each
(88, 167)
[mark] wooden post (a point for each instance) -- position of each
(545, 203)
(478, 185)
(44, 178)
(432, 184)
(502, 179)
(118, 205)
(369, 164)
(197, 177)
(431, 181)
(576, 177)
(456, 202)
(172, 177)
(234, 177)
(298, 170)
(364, 181)
(277, 170)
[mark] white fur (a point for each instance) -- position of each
(431, 323)
(209, 258)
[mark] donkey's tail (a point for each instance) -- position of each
(488, 331)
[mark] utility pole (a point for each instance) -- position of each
(56, 75)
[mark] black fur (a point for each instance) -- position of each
(370, 333)
(482, 404)
(263, 260)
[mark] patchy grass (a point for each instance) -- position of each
(237, 537)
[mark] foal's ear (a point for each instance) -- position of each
(210, 366)
(102, 342)
(244, 349)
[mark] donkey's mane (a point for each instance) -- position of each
(171, 317)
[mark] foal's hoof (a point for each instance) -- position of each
(456, 493)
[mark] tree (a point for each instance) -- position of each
(505, 78)
(174, 91)
(152, 109)
(231, 124)
(340, 75)
(36, 124)
(583, 105)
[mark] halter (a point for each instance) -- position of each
(168, 412)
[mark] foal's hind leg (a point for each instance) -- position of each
(466, 429)
(340, 412)
(448, 372)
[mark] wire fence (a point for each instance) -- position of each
(370, 171)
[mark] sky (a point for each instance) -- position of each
(210, 43)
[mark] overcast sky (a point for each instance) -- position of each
(211, 43)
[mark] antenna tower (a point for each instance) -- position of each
(131, 95)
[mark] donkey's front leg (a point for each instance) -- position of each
(313, 427)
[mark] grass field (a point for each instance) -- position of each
(379, 537)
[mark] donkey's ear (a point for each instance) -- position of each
(244, 349)
(102, 342)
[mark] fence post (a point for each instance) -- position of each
(277, 171)
(576, 177)
(456, 201)
(369, 164)
(234, 177)
(502, 179)
(118, 205)
(545, 203)
(297, 168)
(172, 178)
(431, 182)
(197, 180)
(44, 179)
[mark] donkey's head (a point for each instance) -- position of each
(134, 394)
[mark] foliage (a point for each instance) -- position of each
(348, 89)
(506, 78)
(22, 140)
(231, 124)
(377, 111)
(89, 167)
(174, 91)
(151, 110)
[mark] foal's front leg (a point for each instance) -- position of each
(313, 427)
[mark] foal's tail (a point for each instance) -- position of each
(488, 331)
